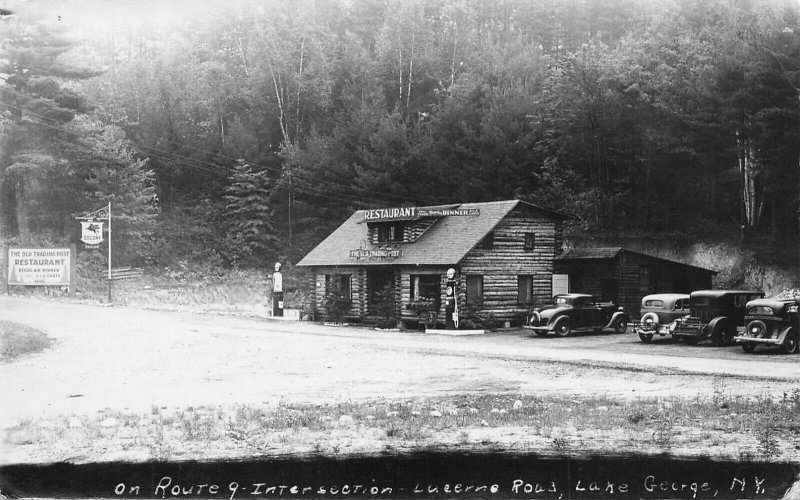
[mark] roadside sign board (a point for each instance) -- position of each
(39, 266)
(91, 233)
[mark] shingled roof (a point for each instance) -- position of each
(612, 253)
(445, 243)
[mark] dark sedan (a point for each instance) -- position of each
(574, 312)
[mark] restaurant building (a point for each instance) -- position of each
(503, 253)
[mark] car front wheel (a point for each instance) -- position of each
(562, 327)
(621, 325)
(722, 337)
(791, 343)
(646, 337)
(749, 348)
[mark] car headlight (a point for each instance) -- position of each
(756, 328)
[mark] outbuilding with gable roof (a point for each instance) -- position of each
(624, 276)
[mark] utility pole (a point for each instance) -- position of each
(109, 252)
(290, 206)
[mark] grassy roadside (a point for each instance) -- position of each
(719, 427)
(17, 340)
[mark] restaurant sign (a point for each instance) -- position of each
(38, 266)
(408, 213)
(380, 253)
(442, 212)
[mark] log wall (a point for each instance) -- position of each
(501, 265)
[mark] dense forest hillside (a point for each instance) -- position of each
(239, 132)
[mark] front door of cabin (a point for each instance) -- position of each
(380, 289)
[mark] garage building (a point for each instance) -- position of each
(625, 276)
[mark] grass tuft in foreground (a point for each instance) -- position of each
(17, 340)
(729, 427)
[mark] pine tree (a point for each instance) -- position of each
(250, 236)
(39, 109)
(112, 172)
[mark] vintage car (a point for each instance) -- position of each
(576, 311)
(659, 312)
(714, 314)
(771, 322)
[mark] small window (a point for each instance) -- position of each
(761, 310)
(488, 241)
(525, 289)
(338, 284)
(682, 305)
(474, 289)
(426, 286)
(390, 232)
(530, 242)
(654, 303)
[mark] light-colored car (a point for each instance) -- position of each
(659, 312)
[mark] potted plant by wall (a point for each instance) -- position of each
(336, 304)
(422, 304)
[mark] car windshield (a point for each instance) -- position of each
(764, 310)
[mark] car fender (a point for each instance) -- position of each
(555, 318)
(616, 316)
(537, 316)
(785, 331)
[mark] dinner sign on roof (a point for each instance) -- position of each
(407, 213)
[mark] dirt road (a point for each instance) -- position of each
(129, 359)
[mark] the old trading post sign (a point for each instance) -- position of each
(380, 253)
(39, 266)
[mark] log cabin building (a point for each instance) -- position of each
(503, 253)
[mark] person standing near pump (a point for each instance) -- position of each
(277, 291)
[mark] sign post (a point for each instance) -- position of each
(92, 234)
(109, 252)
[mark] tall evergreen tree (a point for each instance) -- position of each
(39, 108)
(249, 232)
